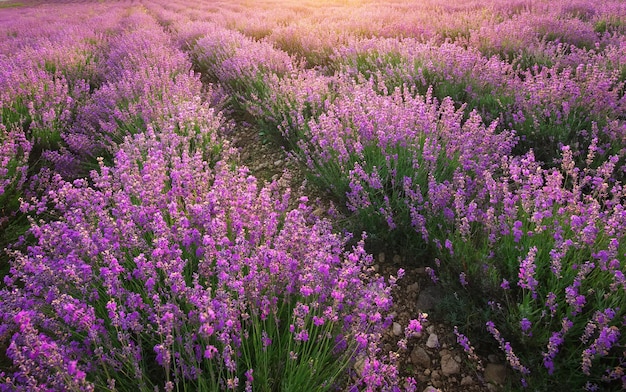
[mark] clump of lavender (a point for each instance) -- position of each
(38, 102)
(450, 69)
(559, 234)
(167, 273)
(145, 81)
(14, 153)
(397, 159)
(44, 72)
(239, 63)
(290, 103)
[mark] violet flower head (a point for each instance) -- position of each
(525, 326)
(526, 273)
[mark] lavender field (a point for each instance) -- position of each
(202, 195)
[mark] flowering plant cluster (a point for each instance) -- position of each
(393, 127)
(168, 266)
(14, 154)
(567, 103)
(147, 80)
(487, 139)
(47, 67)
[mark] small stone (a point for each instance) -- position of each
(427, 372)
(319, 211)
(376, 267)
(430, 329)
(435, 375)
(413, 288)
(420, 357)
(430, 388)
(381, 257)
(278, 163)
(433, 341)
(495, 373)
(449, 366)
(396, 329)
(492, 388)
(428, 298)
(397, 259)
(467, 380)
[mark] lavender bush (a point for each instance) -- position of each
(42, 85)
(388, 156)
(163, 275)
(451, 70)
(14, 156)
(549, 243)
(13, 166)
(147, 81)
(239, 63)
(38, 102)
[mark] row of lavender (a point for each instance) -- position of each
(57, 111)
(37, 102)
(548, 87)
(537, 247)
(152, 261)
(539, 30)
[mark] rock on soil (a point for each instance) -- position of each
(397, 329)
(433, 341)
(420, 357)
(428, 298)
(450, 365)
(495, 373)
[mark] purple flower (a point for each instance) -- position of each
(464, 342)
(526, 273)
(574, 300)
(525, 326)
(607, 338)
(517, 230)
(505, 346)
(414, 329)
(551, 303)
(463, 279)
(431, 273)
(554, 344)
(448, 245)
